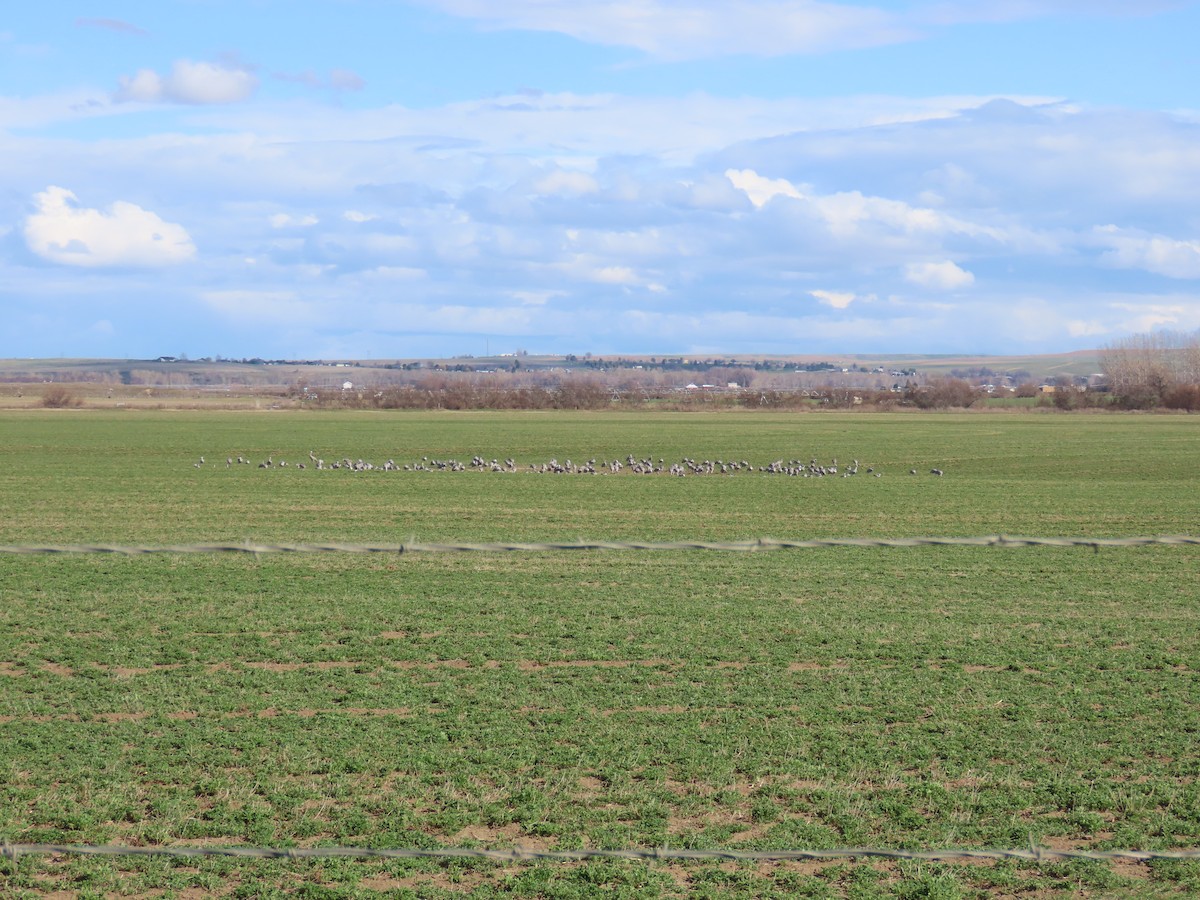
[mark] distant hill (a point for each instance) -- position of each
(261, 373)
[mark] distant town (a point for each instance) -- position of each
(522, 380)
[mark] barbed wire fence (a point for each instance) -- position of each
(749, 546)
(1033, 853)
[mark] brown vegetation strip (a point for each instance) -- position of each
(807, 666)
(529, 665)
(298, 666)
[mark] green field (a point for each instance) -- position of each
(924, 698)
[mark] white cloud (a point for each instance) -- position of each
(396, 273)
(849, 214)
(197, 83)
(123, 235)
(565, 182)
(1150, 313)
(1151, 252)
(759, 189)
(944, 276)
(586, 204)
(614, 275)
(287, 220)
(836, 299)
(535, 298)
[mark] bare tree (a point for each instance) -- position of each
(1145, 370)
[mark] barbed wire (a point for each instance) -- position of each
(1033, 853)
(758, 544)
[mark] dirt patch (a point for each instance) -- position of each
(464, 882)
(809, 666)
(371, 711)
(298, 666)
(393, 635)
(58, 669)
(131, 671)
(432, 664)
(183, 716)
(590, 786)
(487, 834)
(119, 716)
(724, 816)
(11, 671)
(529, 665)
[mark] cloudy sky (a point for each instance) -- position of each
(410, 178)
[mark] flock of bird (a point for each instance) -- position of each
(631, 464)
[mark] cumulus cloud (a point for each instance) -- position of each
(1150, 313)
(194, 83)
(759, 189)
(1155, 253)
(851, 214)
(945, 276)
(689, 208)
(123, 235)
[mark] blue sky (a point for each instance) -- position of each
(390, 179)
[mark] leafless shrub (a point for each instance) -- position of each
(942, 393)
(58, 397)
(1183, 396)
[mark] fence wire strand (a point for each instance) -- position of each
(759, 544)
(1032, 853)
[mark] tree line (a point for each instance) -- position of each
(1159, 369)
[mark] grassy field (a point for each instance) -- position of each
(918, 698)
